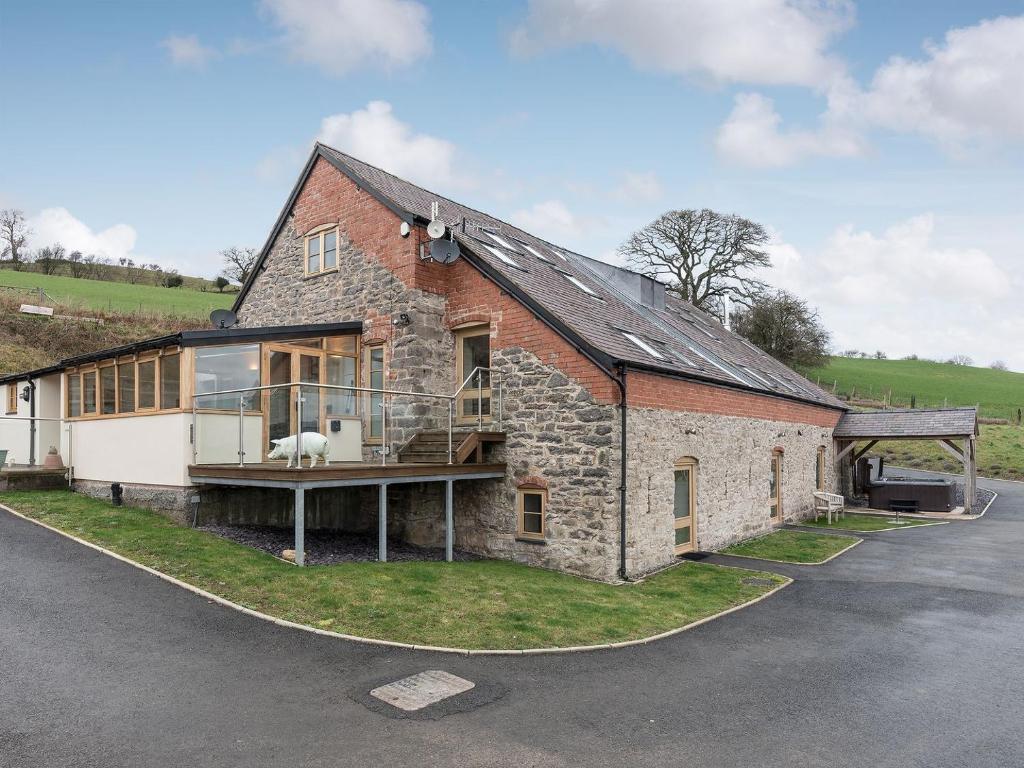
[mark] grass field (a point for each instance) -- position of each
(1000, 453)
(864, 523)
(998, 393)
(117, 297)
(482, 604)
(792, 547)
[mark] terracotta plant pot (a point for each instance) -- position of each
(53, 460)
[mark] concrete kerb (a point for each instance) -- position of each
(391, 643)
(848, 531)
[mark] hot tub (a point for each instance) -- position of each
(911, 494)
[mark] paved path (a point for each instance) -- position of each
(907, 651)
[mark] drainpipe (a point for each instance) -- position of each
(32, 423)
(621, 382)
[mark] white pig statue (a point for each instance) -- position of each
(313, 444)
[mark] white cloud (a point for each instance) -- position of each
(376, 136)
(639, 187)
(187, 51)
(967, 89)
(771, 42)
(550, 219)
(339, 36)
(751, 136)
(57, 225)
(903, 292)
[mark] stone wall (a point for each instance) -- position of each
(733, 467)
(172, 501)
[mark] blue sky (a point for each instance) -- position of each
(862, 134)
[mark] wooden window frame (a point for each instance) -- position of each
(92, 370)
(368, 349)
(521, 493)
(319, 234)
(777, 519)
(819, 469)
(689, 464)
(70, 375)
(461, 334)
(100, 367)
(12, 398)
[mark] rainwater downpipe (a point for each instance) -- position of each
(32, 423)
(623, 407)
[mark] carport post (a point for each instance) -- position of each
(300, 525)
(449, 531)
(382, 523)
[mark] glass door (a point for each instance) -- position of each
(472, 351)
(683, 508)
(309, 371)
(277, 403)
(775, 488)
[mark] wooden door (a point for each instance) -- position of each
(684, 506)
(775, 488)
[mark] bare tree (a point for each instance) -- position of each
(960, 360)
(998, 365)
(14, 233)
(238, 262)
(704, 255)
(75, 264)
(49, 258)
(785, 327)
(880, 355)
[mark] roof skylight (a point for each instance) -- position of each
(579, 284)
(719, 366)
(682, 358)
(502, 256)
(499, 240)
(646, 347)
(537, 253)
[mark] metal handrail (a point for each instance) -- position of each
(384, 406)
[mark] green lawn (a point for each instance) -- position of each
(118, 297)
(865, 523)
(998, 393)
(792, 547)
(483, 604)
(1000, 453)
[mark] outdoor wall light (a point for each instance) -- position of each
(402, 320)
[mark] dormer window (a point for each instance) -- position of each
(321, 250)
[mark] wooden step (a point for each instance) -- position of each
(431, 446)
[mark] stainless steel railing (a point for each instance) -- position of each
(386, 403)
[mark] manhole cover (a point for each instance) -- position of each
(421, 690)
(758, 582)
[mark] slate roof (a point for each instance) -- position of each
(688, 342)
(939, 422)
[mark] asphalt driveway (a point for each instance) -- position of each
(907, 651)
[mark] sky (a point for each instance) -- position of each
(881, 143)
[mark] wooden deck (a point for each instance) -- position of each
(339, 474)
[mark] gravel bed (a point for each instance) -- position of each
(325, 547)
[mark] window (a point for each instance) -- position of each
(684, 506)
(341, 372)
(170, 381)
(89, 392)
(375, 379)
(819, 469)
(649, 349)
(126, 387)
(536, 252)
(579, 284)
(219, 368)
(321, 250)
(12, 397)
(146, 382)
(472, 351)
(74, 381)
(499, 240)
(532, 504)
(775, 487)
(502, 257)
(108, 391)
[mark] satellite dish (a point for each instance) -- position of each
(444, 251)
(436, 227)
(223, 318)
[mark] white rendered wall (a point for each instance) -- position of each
(152, 450)
(14, 434)
(346, 445)
(48, 405)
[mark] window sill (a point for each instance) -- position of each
(531, 539)
(314, 275)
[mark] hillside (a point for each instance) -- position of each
(33, 341)
(934, 385)
(104, 296)
(997, 393)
